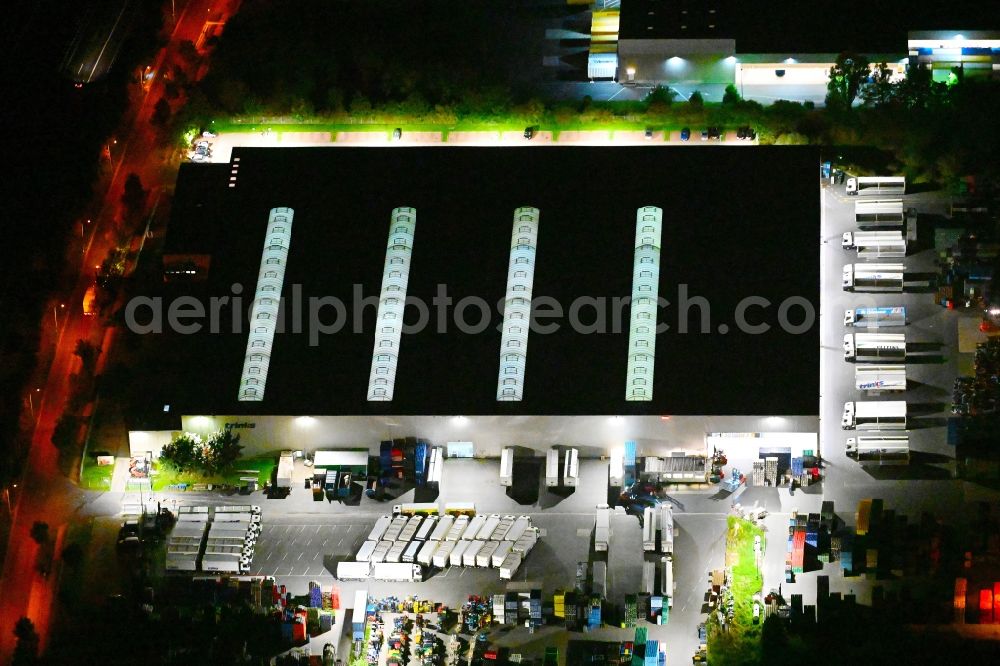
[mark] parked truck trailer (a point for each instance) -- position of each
(404, 573)
(880, 449)
(879, 214)
(876, 186)
(872, 378)
(602, 528)
(873, 277)
(354, 570)
(507, 466)
(875, 347)
(876, 317)
(855, 239)
(874, 415)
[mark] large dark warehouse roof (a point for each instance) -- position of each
(737, 222)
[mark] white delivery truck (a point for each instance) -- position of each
(666, 529)
(500, 533)
(517, 529)
(469, 556)
(552, 468)
(442, 528)
(602, 528)
(874, 415)
(378, 531)
(366, 550)
(458, 529)
(879, 214)
(486, 531)
(442, 556)
(410, 552)
(473, 528)
(286, 466)
(880, 377)
(510, 566)
(571, 468)
(873, 277)
(880, 448)
(501, 553)
(853, 239)
(426, 554)
(876, 317)
(484, 558)
(381, 550)
(458, 553)
(875, 347)
(408, 573)
(507, 466)
(649, 529)
(354, 570)
(876, 186)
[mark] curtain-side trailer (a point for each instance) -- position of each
(500, 533)
(510, 566)
(853, 239)
(880, 449)
(395, 554)
(484, 558)
(507, 466)
(873, 277)
(869, 186)
(552, 468)
(879, 214)
(875, 347)
(876, 317)
(874, 415)
(880, 377)
(395, 527)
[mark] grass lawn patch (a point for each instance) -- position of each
(740, 643)
(94, 476)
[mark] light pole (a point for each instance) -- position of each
(55, 312)
(31, 404)
(6, 494)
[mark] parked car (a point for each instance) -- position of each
(714, 133)
(649, 133)
(529, 132)
(397, 134)
(704, 135)
(685, 134)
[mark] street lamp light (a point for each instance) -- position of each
(55, 316)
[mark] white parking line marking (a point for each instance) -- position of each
(300, 557)
(284, 556)
(315, 556)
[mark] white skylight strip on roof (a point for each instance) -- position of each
(392, 301)
(517, 304)
(266, 300)
(645, 290)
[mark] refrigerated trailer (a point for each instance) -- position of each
(354, 570)
(484, 557)
(853, 239)
(879, 214)
(874, 415)
(883, 317)
(666, 529)
(873, 277)
(507, 466)
(876, 186)
(552, 468)
(458, 553)
(378, 531)
(649, 528)
(880, 449)
(366, 550)
(571, 467)
(442, 556)
(427, 551)
(381, 550)
(409, 573)
(442, 528)
(875, 347)
(880, 377)
(883, 249)
(469, 556)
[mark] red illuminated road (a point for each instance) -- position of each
(45, 494)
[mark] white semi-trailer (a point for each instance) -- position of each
(883, 249)
(853, 239)
(473, 528)
(507, 466)
(552, 468)
(666, 529)
(880, 377)
(395, 554)
(381, 550)
(500, 533)
(442, 528)
(880, 317)
(571, 467)
(408, 573)
(616, 468)
(518, 528)
(876, 186)
(873, 277)
(501, 553)
(879, 214)
(602, 528)
(649, 529)
(425, 529)
(286, 466)
(668, 580)
(484, 558)
(378, 531)
(874, 415)
(395, 528)
(510, 566)
(366, 550)
(427, 551)
(354, 570)
(880, 449)
(526, 542)
(442, 556)
(410, 552)
(458, 552)
(875, 347)
(469, 556)
(458, 529)
(490, 526)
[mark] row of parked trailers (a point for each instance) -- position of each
(231, 535)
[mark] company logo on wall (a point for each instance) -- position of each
(241, 425)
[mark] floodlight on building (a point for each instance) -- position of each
(201, 422)
(389, 321)
(790, 61)
(305, 421)
(267, 297)
(675, 62)
(642, 318)
(958, 37)
(731, 60)
(459, 420)
(517, 304)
